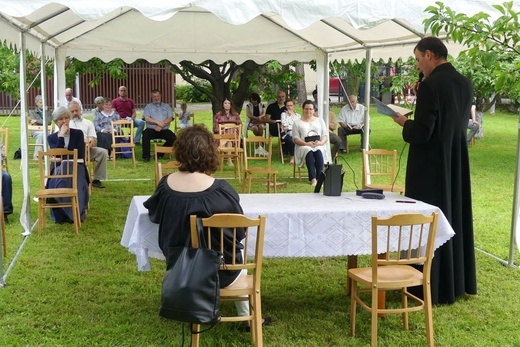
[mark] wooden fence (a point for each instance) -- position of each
(142, 77)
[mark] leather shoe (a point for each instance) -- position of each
(266, 321)
(146, 160)
(343, 150)
(97, 184)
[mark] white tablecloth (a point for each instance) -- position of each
(298, 225)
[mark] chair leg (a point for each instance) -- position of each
(244, 182)
(257, 335)
(274, 179)
(41, 216)
(353, 303)
(76, 214)
(374, 318)
(195, 338)
(404, 300)
(428, 314)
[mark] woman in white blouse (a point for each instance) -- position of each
(288, 119)
(310, 136)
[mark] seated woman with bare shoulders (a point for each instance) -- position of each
(192, 190)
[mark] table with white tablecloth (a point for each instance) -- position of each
(297, 225)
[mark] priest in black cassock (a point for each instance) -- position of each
(438, 165)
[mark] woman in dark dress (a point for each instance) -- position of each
(70, 139)
(192, 190)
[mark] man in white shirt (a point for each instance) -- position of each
(69, 97)
(97, 154)
(351, 120)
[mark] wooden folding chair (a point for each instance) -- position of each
(123, 139)
(258, 164)
(229, 140)
(165, 169)
(236, 228)
(379, 170)
(48, 197)
(397, 243)
(158, 150)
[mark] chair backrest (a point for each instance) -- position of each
(123, 131)
(4, 148)
(56, 157)
(379, 166)
(232, 227)
(165, 169)
(281, 141)
(403, 239)
(229, 138)
(227, 128)
(252, 155)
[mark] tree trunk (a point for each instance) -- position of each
(300, 84)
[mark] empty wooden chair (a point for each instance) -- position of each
(257, 164)
(379, 170)
(246, 287)
(123, 139)
(229, 140)
(397, 243)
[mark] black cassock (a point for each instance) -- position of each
(438, 173)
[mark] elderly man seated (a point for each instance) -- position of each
(158, 116)
(351, 121)
(97, 154)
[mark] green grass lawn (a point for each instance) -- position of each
(85, 290)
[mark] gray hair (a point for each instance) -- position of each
(99, 100)
(37, 98)
(60, 111)
(74, 102)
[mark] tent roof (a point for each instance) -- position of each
(239, 30)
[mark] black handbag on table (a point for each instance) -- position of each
(190, 289)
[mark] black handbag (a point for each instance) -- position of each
(190, 289)
(312, 138)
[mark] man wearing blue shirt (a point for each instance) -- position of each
(158, 116)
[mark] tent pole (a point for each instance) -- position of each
(515, 233)
(322, 68)
(25, 215)
(368, 63)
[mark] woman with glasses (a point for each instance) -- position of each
(310, 136)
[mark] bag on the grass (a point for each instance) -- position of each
(190, 289)
(17, 154)
(332, 179)
(126, 152)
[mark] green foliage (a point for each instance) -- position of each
(10, 70)
(273, 76)
(493, 59)
(96, 67)
(188, 93)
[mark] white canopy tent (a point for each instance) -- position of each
(238, 30)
